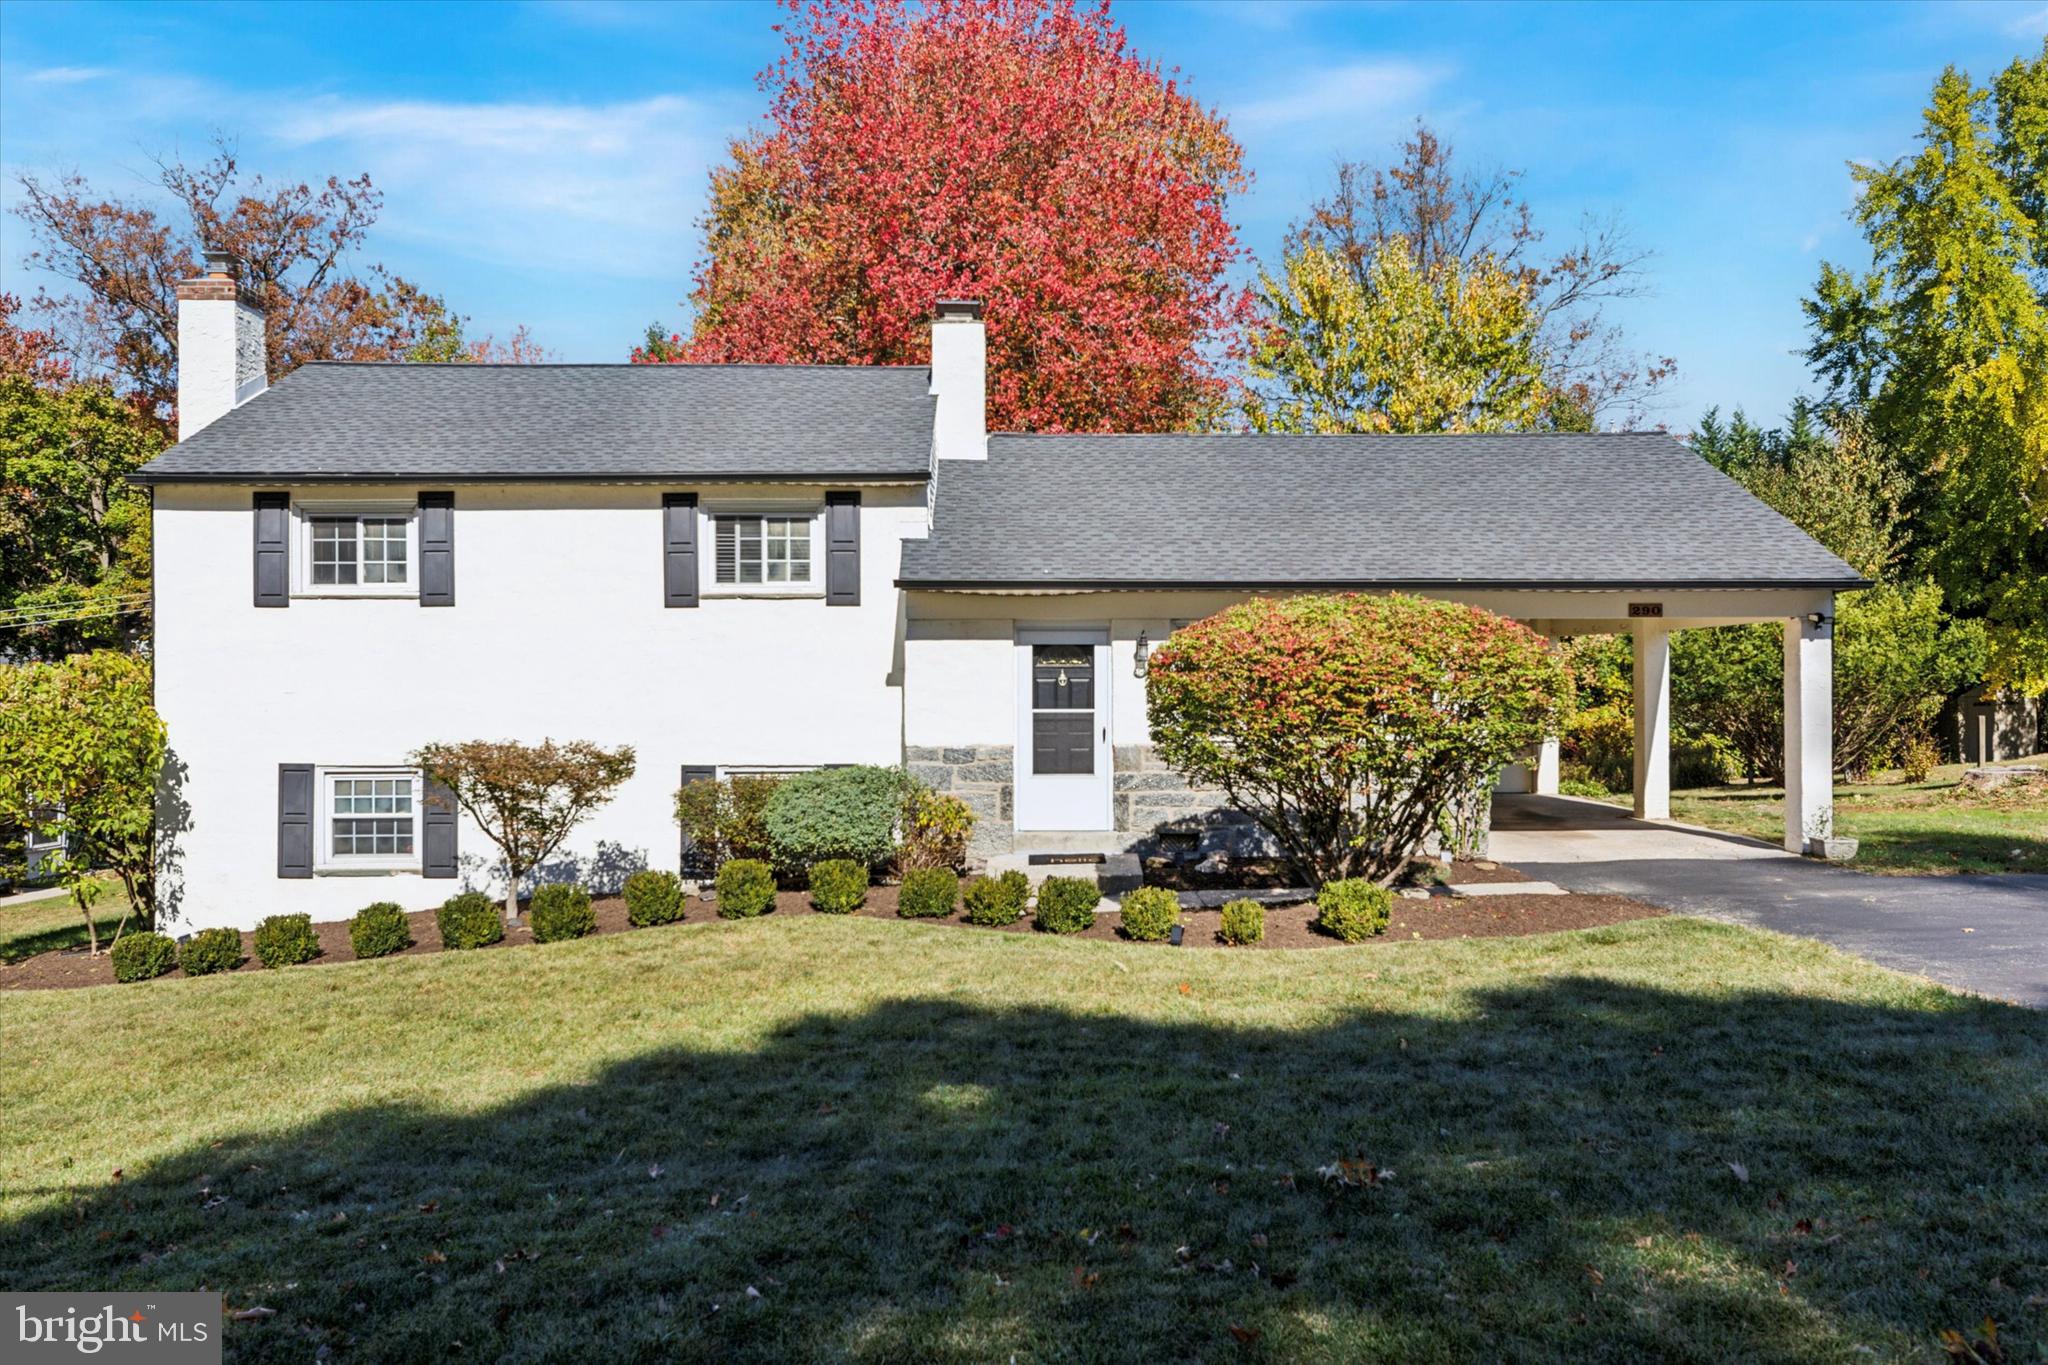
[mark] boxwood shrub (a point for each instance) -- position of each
(561, 910)
(838, 885)
(1150, 913)
(653, 897)
(996, 901)
(286, 941)
(834, 813)
(928, 893)
(140, 956)
(379, 930)
(1066, 905)
(1243, 922)
(1353, 909)
(210, 951)
(470, 920)
(746, 888)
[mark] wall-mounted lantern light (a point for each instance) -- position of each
(1817, 618)
(1141, 658)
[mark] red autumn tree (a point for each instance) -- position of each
(1008, 150)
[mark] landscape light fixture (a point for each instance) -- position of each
(1174, 937)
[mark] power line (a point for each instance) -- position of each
(27, 618)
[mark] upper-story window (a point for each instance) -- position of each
(768, 551)
(357, 550)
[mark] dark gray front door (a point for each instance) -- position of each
(1062, 708)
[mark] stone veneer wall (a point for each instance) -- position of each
(979, 774)
(1155, 810)
(1158, 812)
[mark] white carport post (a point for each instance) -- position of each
(1809, 732)
(1653, 720)
(1546, 768)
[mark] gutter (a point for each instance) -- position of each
(271, 477)
(1398, 584)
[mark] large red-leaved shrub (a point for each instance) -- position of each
(1347, 724)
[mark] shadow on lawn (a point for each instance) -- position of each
(931, 1179)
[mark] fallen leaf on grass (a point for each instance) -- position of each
(1245, 1335)
(1186, 989)
(434, 1258)
(1084, 1278)
(1741, 1171)
(255, 1314)
(430, 1206)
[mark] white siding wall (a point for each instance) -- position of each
(558, 630)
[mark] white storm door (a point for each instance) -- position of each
(1063, 753)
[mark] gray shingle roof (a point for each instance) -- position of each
(1629, 510)
(335, 421)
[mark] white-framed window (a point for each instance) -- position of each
(369, 820)
(357, 549)
(765, 549)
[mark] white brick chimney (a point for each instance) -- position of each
(960, 381)
(221, 357)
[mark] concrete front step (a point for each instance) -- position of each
(1114, 875)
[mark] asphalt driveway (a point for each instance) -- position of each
(1982, 934)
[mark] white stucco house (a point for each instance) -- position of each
(768, 567)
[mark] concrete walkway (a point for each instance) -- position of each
(1977, 933)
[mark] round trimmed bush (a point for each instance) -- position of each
(838, 886)
(1353, 909)
(286, 941)
(470, 920)
(1150, 913)
(210, 951)
(996, 901)
(653, 897)
(140, 956)
(834, 813)
(379, 930)
(1243, 922)
(1066, 905)
(561, 910)
(928, 893)
(746, 888)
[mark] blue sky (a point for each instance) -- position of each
(545, 163)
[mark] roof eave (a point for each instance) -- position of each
(274, 477)
(1396, 584)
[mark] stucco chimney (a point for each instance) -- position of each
(221, 357)
(960, 380)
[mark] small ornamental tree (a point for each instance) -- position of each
(1345, 724)
(526, 797)
(81, 749)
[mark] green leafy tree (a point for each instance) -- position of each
(81, 752)
(1444, 218)
(1944, 346)
(1898, 652)
(1403, 349)
(1347, 725)
(74, 533)
(526, 797)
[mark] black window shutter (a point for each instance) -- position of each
(294, 819)
(437, 831)
(679, 549)
(437, 549)
(273, 530)
(696, 862)
(842, 549)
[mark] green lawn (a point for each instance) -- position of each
(44, 926)
(1918, 827)
(826, 1138)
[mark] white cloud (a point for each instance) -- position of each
(612, 188)
(1342, 93)
(68, 75)
(2031, 25)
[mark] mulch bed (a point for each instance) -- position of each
(1287, 926)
